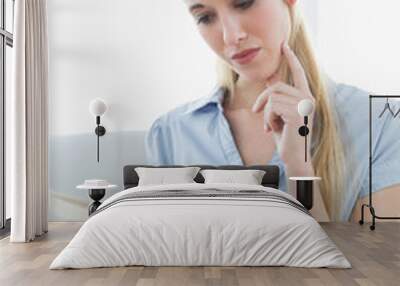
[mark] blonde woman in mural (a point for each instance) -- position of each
(266, 66)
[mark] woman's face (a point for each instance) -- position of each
(232, 26)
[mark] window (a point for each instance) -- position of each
(6, 44)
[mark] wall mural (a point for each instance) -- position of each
(207, 85)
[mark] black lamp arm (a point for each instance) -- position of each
(303, 131)
(99, 131)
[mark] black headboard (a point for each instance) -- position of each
(270, 179)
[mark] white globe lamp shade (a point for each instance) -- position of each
(305, 107)
(97, 107)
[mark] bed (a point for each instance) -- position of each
(201, 224)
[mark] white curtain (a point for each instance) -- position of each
(28, 122)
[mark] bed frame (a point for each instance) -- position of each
(270, 179)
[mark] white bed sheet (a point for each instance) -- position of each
(202, 232)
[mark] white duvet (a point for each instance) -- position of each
(200, 231)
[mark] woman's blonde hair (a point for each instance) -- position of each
(327, 152)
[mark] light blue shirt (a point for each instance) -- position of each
(199, 133)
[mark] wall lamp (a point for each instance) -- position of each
(97, 108)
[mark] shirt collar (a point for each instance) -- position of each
(216, 98)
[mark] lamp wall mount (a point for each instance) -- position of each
(99, 130)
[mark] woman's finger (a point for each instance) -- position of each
(289, 100)
(276, 114)
(298, 73)
(262, 100)
(282, 88)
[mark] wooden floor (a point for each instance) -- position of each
(375, 257)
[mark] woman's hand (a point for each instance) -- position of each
(279, 102)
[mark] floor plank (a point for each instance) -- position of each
(375, 257)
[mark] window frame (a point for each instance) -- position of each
(6, 39)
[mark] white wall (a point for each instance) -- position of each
(359, 43)
(142, 57)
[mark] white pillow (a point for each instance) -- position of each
(248, 177)
(161, 176)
